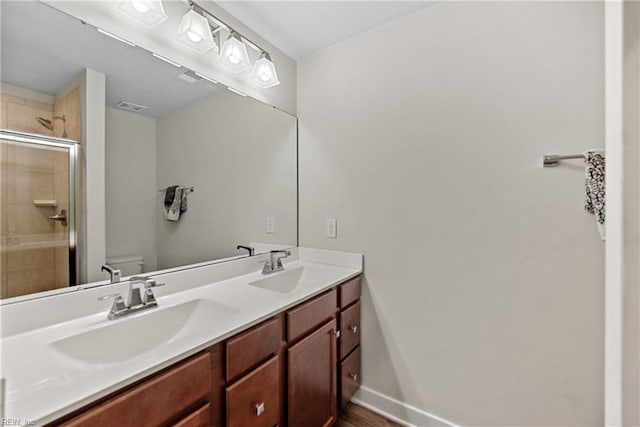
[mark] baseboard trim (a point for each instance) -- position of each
(397, 411)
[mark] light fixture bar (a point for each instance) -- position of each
(167, 60)
(236, 91)
(113, 36)
(206, 77)
(226, 26)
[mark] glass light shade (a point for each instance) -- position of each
(264, 72)
(149, 12)
(234, 54)
(195, 33)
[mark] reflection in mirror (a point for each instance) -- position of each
(192, 172)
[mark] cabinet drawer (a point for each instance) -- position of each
(155, 402)
(252, 347)
(349, 329)
(198, 418)
(349, 377)
(254, 400)
(349, 291)
(309, 315)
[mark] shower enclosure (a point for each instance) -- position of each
(38, 179)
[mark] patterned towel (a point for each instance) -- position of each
(175, 202)
(594, 187)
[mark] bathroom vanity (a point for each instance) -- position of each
(284, 349)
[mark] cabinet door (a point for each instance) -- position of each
(311, 365)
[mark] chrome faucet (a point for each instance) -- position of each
(252, 251)
(114, 274)
(136, 301)
(275, 262)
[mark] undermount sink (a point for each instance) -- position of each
(284, 282)
(130, 337)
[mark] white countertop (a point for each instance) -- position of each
(43, 384)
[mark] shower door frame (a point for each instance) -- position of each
(73, 148)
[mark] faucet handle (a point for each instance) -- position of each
(119, 306)
(151, 283)
(115, 296)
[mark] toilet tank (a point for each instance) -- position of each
(129, 265)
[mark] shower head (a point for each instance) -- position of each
(45, 122)
(48, 123)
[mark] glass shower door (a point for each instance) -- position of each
(37, 210)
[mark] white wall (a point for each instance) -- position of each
(484, 276)
(131, 186)
(631, 148)
(240, 155)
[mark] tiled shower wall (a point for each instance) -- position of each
(27, 174)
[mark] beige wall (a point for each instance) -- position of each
(484, 276)
(631, 147)
(68, 104)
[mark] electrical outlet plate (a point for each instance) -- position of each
(331, 228)
(271, 225)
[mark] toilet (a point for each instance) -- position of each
(129, 265)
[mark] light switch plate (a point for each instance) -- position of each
(331, 228)
(271, 225)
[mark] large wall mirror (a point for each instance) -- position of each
(190, 169)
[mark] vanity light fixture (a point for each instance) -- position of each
(236, 91)
(167, 60)
(206, 77)
(113, 36)
(234, 54)
(149, 12)
(264, 72)
(195, 33)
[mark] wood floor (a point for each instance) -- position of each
(357, 416)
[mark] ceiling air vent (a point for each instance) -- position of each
(130, 106)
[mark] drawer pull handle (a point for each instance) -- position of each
(259, 409)
(353, 329)
(337, 334)
(353, 376)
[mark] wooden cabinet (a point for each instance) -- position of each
(254, 400)
(349, 371)
(349, 329)
(156, 402)
(349, 292)
(290, 370)
(307, 316)
(349, 377)
(198, 418)
(311, 385)
(252, 347)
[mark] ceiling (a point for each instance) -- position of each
(43, 49)
(299, 28)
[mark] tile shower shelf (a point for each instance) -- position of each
(45, 203)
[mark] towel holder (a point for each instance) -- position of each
(551, 160)
(189, 189)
